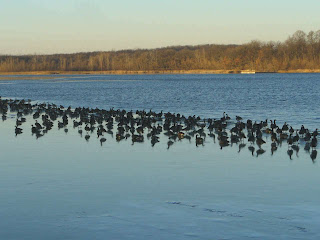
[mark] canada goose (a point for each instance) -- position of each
(290, 152)
(285, 127)
(18, 122)
(102, 140)
(34, 129)
(307, 136)
(199, 140)
(180, 135)
(313, 155)
(283, 136)
(251, 138)
(154, 140)
(87, 137)
(260, 141)
(80, 132)
(238, 118)
(87, 128)
(223, 143)
(251, 149)
(291, 130)
(290, 140)
(38, 125)
(17, 130)
(241, 145)
(273, 147)
(307, 146)
(274, 137)
(173, 137)
(137, 138)
(234, 138)
(60, 125)
(170, 143)
(187, 137)
(296, 148)
(302, 130)
(314, 142)
(273, 124)
(268, 131)
(127, 135)
(260, 151)
(119, 137)
(296, 137)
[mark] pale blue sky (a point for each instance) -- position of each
(63, 26)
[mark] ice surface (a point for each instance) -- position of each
(62, 187)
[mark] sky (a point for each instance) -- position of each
(67, 26)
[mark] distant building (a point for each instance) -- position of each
(248, 72)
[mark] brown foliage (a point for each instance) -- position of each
(299, 51)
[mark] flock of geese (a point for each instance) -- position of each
(143, 125)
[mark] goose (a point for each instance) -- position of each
(290, 152)
(18, 122)
(307, 146)
(180, 135)
(154, 140)
(38, 125)
(283, 136)
(241, 145)
(170, 143)
(223, 143)
(296, 137)
(251, 138)
(251, 149)
(260, 141)
(290, 140)
(80, 132)
(260, 151)
(102, 140)
(238, 118)
(314, 142)
(273, 147)
(187, 137)
(291, 130)
(302, 130)
(119, 137)
(307, 136)
(34, 129)
(285, 127)
(199, 140)
(213, 136)
(17, 130)
(38, 135)
(60, 125)
(313, 155)
(296, 148)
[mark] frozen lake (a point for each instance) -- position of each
(62, 187)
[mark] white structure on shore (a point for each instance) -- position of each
(248, 72)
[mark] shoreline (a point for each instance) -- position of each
(152, 72)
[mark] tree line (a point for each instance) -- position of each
(299, 51)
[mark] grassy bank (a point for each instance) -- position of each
(200, 71)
